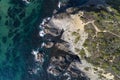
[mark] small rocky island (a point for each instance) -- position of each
(83, 40)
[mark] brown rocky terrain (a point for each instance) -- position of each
(84, 41)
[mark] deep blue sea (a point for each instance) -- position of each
(19, 35)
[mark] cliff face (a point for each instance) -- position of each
(86, 39)
(64, 61)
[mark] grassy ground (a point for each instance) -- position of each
(105, 47)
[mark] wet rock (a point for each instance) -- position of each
(62, 46)
(39, 57)
(49, 44)
(61, 15)
(53, 71)
(62, 59)
(72, 10)
(65, 64)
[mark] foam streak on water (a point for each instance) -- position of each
(26, 1)
(35, 52)
(59, 4)
(39, 57)
(42, 33)
(42, 45)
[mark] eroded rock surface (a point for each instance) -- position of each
(80, 44)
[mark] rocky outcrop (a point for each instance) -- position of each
(63, 60)
(66, 36)
(60, 33)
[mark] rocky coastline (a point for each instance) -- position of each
(63, 60)
(64, 34)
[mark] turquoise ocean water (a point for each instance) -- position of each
(19, 35)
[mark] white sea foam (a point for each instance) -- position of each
(45, 20)
(59, 4)
(43, 23)
(35, 71)
(35, 54)
(41, 27)
(26, 1)
(42, 45)
(48, 18)
(42, 33)
(68, 75)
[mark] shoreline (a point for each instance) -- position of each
(69, 23)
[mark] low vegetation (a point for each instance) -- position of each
(105, 47)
